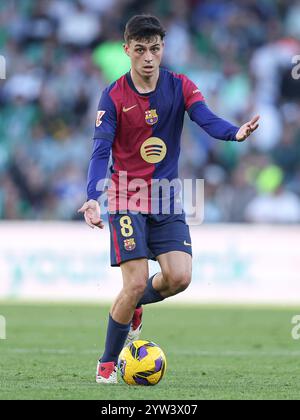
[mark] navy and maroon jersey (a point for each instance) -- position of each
(144, 132)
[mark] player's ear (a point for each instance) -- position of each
(126, 49)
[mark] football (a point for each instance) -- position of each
(142, 363)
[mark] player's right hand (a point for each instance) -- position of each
(92, 214)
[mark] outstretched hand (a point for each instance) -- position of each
(92, 216)
(248, 128)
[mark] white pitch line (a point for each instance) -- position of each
(207, 353)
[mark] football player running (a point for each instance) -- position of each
(140, 120)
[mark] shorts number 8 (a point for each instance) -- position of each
(126, 226)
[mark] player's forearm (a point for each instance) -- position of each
(98, 168)
(214, 126)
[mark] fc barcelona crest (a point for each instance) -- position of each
(151, 117)
(129, 244)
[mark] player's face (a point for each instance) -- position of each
(145, 55)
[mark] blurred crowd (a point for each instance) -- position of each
(239, 53)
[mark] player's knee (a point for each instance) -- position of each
(179, 281)
(137, 288)
(182, 282)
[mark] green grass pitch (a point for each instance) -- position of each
(213, 352)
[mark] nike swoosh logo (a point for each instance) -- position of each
(128, 109)
(186, 243)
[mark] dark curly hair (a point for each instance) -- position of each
(143, 27)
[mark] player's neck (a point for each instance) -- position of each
(144, 84)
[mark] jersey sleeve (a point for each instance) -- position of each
(191, 93)
(106, 119)
(97, 173)
(214, 126)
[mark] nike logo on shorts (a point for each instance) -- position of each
(186, 243)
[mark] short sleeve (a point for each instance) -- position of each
(191, 93)
(106, 118)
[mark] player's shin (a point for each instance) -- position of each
(115, 339)
(150, 295)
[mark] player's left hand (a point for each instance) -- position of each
(247, 129)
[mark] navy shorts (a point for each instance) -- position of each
(138, 235)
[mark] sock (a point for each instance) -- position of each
(150, 295)
(115, 339)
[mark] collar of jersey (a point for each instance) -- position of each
(131, 84)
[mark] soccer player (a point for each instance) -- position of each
(140, 120)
